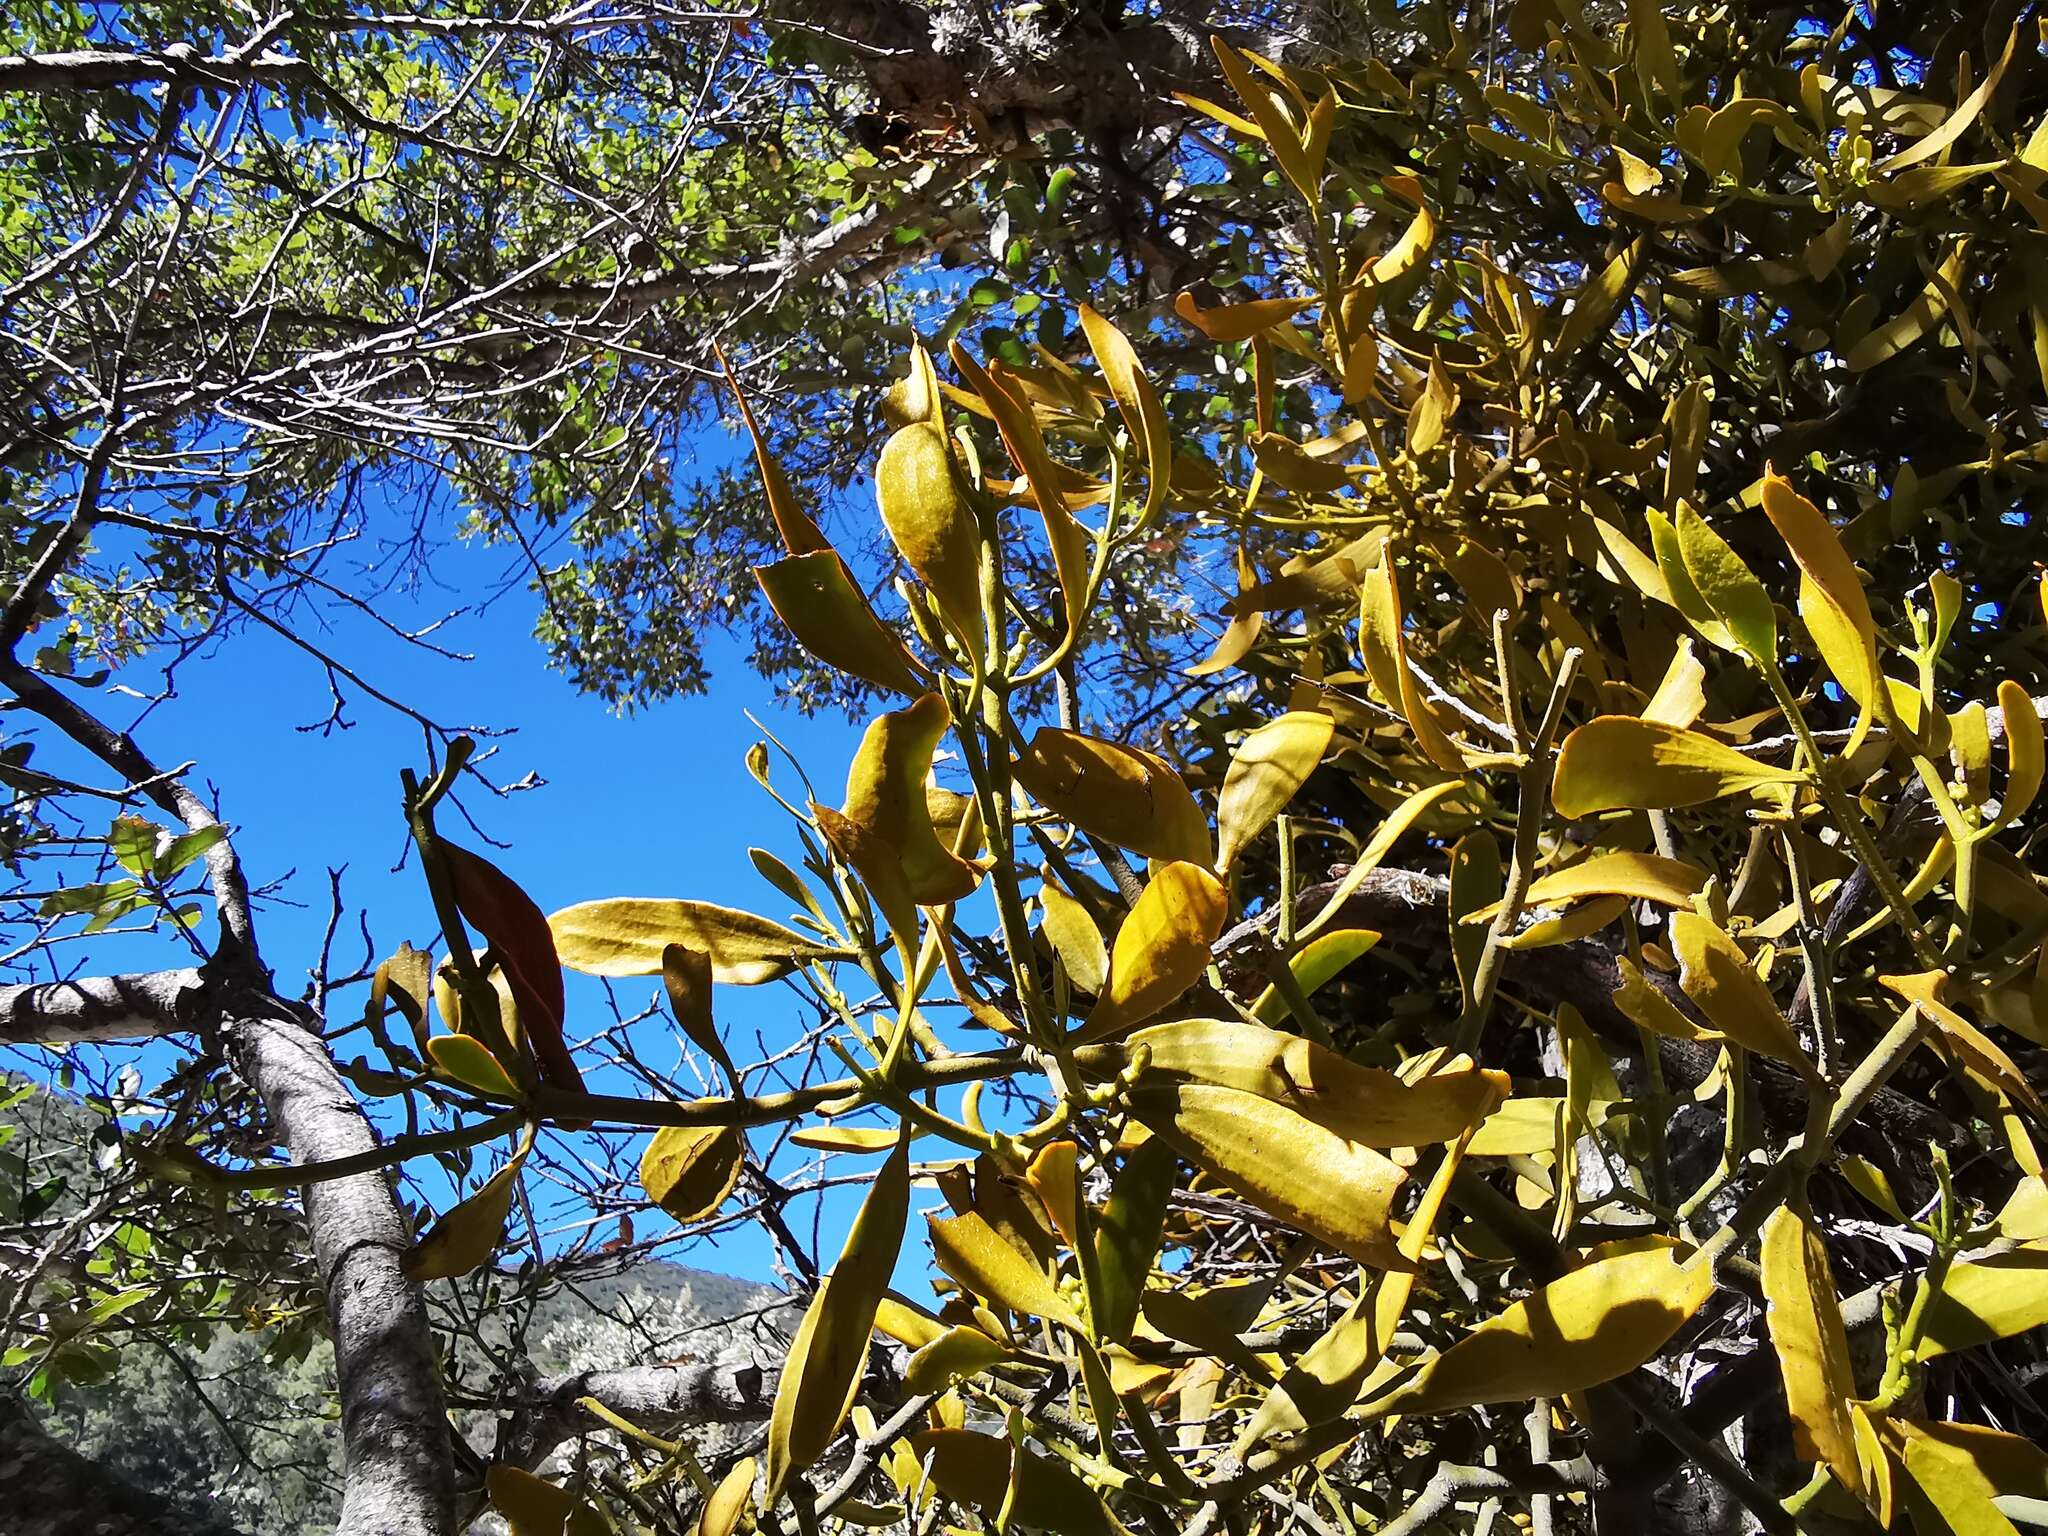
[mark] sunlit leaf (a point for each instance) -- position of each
(1812, 1344)
(1162, 948)
(821, 1374)
(932, 525)
(972, 1252)
(627, 935)
(1115, 792)
(1268, 768)
(1600, 1321)
(690, 1170)
(1620, 762)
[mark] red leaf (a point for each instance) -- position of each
(518, 934)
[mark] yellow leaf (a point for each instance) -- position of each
(1831, 599)
(1433, 408)
(1651, 1009)
(956, 1353)
(885, 797)
(1381, 843)
(1716, 975)
(2023, 751)
(1988, 1299)
(1955, 1488)
(686, 977)
(1239, 635)
(800, 535)
(975, 1469)
(1120, 794)
(1524, 1126)
(1006, 402)
(1886, 341)
(1074, 938)
(1601, 1321)
(1144, 416)
(1385, 645)
(975, 1254)
(1162, 948)
(627, 935)
(917, 396)
(845, 1138)
(1366, 1105)
(905, 1324)
(932, 526)
(533, 1506)
(815, 596)
(1270, 766)
(1051, 1177)
(689, 1170)
(468, 1235)
(1620, 762)
(1238, 322)
(821, 1374)
(1333, 1372)
(1812, 1344)
(1315, 963)
(1644, 876)
(1332, 1188)
(464, 1058)
(1979, 1053)
(1679, 697)
(1575, 923)
(729, 1501)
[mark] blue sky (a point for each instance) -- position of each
(656, 804)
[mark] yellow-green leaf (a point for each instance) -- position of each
(1383, 639)
(1115, 792)
(1644, 876)
(533, 1506)
(464, 1058)
(1127, 1234)
(1717, 975)
(1316, 1181)
(1074, 938)
(974, 1253)
(1988, 1299)
(1812, 1344)
(468, 1235)
(1621, 762)
(1595, 303)
(815, 596)
(689, 1170)
(821, 1374)
(686, 977)
(1368, 1105)
(932, 525)
(1602, 1320)
(1270, 766)
(627, 935)
(1831, 598)
(885, 795)
(1162, 948)
(1314, 964)
(2023, 751)
(958, 1352)
(730, 1500)
(1730, 589)
(1144, 415)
